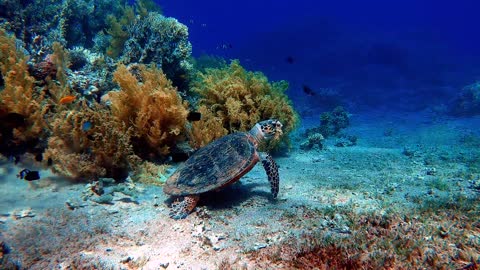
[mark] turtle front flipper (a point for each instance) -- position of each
(272, 172)
(181, 209)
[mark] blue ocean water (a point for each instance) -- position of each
(116, 145)
(380, 55)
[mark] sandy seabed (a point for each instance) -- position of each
(405, 197)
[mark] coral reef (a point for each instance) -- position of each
(150, 173)
(467, 103)
(117, 32)
(89, 143)
(90, 74)
(18, 96)
(59, 75)
(314, 141)
(346, 141)
(209, 128)
(163, 41)
(151, 106)
(238, 99)
(72, 23)
(205, 61)
(331, 123)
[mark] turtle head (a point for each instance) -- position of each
(267, 130)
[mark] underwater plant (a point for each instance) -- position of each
(233, 99)
(149, 105)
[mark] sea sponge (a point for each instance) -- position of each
(233, 99)
(151, 106)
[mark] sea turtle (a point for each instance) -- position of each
(220, 163)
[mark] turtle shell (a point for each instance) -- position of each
(219, 163)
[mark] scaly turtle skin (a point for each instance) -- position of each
(220, 163)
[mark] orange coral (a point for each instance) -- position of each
(59, 88)
(18, 94)
(90, 143)
(238, 99)
(151, 106)
(209, 128)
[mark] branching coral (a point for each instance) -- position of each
(238, 99)
(116, 30)
(151, 106)
(18, 94)
(58, 88)
(209, 128)
(332, 122)
(70, 22)
(162, 41)
(90, 143)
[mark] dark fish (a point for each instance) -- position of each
(179, 156)
(225, 46)
(28, 175)
(194, 116)
(307, 90)
(290, 59)
(128, 200)
(38, 157)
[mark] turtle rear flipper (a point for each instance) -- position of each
(181, 209)
(272, 172)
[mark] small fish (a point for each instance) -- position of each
(290, 59)
(86, 126)
(225, 46)
(307, 90)
(28, 175)
(194, 116)
(67, 99)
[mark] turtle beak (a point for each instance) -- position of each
(278, 129)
